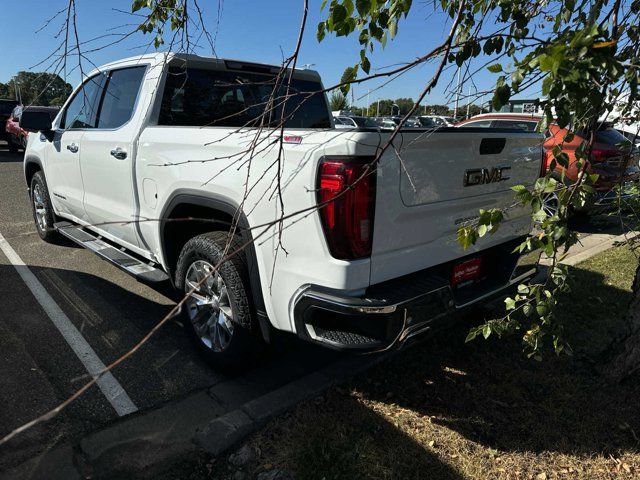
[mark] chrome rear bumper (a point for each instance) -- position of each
(392, 314)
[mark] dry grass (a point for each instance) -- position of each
(446, 410)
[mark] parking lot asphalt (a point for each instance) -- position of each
(112, 312)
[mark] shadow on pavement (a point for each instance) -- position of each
(38, 369)
(490, 393)
(8, 157)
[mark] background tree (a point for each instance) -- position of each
(338, 101)
(439, 110)
(6, 91)
(37, 88)
(405, 105)
(474, 110)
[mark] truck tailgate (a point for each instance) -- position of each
(442, 180)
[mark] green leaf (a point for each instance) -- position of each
(349, 75)
(495, 68)
(322, 30)
(509, 303)
(338, 14)
(501, 96)
(363, 7)
(393, 29)
(486, 331)
(366, 65)
(473, 333)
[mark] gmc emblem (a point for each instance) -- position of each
(481, 176)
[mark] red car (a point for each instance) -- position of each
(613, 158)
(16, 136)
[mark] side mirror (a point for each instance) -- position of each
(36, 119)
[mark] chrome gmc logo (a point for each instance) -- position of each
(481, 176)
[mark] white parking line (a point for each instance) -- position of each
(110, 387)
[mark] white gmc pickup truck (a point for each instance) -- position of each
(150, 163)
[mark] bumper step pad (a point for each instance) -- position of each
(145, 272)
(346, 339)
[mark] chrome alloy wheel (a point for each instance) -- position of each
(40, 208)
(550, 203)
(208, 306)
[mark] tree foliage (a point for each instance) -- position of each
(37, 88)
(338, 101)
(586, 58)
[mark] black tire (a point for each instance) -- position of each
(45, 226)
(245, 341)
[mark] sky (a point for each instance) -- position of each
(252, 30)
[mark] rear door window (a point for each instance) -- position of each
(120, 96)
(203, 97)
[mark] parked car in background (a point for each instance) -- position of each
(343, 123)
(16, 136)
(372, 260)
(356, 122)
(631, 132)
(441, 120)
(427, 122)
(412, 123)
(6, 108)
(613, 157)
(387, 125)
(342, 113)
(520, 121)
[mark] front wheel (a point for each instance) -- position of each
(43, 214)
(218, 311)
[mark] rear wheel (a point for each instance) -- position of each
(43, 214)
(218, 311)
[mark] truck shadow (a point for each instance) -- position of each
(8, 157)
(490, 393)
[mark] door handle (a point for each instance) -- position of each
(119, 153)
(73, 148)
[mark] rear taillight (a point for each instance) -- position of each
(600, 155)
(346, 196)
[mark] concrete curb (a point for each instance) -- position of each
(591, 245)
(604, 244)
(155, 438)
